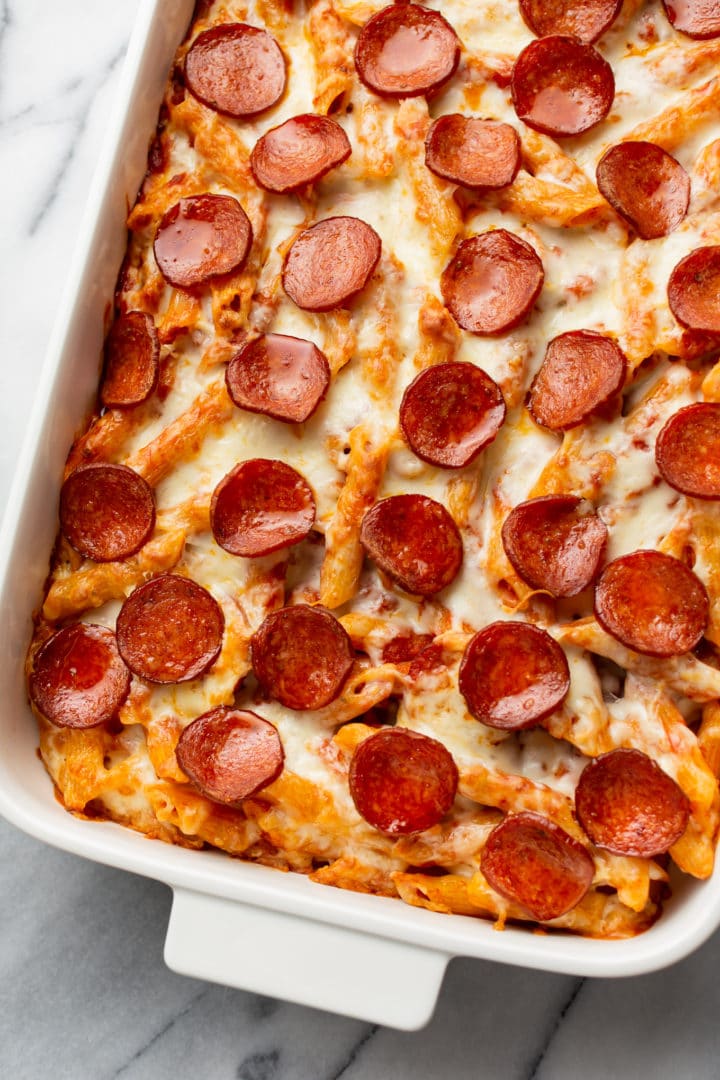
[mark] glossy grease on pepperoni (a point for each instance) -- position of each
(330, 262)
(531, 860)
(687, 451)
(513, 675)
(694, 289)
(79, 679)
(405, 50)
(170, 630)
(230, 754)
(475, 153)
(236, 69)
(646, 185)
(132, 352)
(107, 512)
(298, 152)
(628, 805)
(583, 19)
(279, 376)
(450, 412)
(581, 372)
(402, 782)
(561, 86)
(555, 543)
(652, 603)
(201, 237)
(403, 648)
(261, 506)
(696, 18)
(492, 282)
(302, 656)
(414, 540)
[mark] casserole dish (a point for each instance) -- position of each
(240, 924)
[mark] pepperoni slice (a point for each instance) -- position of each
(406, 50)
(405, 647)
(584, 19)
(330, 262)
(132, 353)
(236, 69)
(415, 541)
(78, 678)
(450, 412)
(492, 282)
(581, 372)
(696, 18)
(687, 450)
(561, 86)
(230, 754)
(283, 377)
(107, 512)
(475, 153)
(302, 656)
(534, 862)
(646, 185)
(513, 675)
(652, 603)
(170, 630)
(628, 805)
(694, 287)
(298, 152)
(261, 506)
(402, 782)
(202, 237)
(555, 543)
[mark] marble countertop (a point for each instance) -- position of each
(84, 993)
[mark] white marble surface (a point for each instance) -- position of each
(84, 993)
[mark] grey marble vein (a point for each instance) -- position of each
(79, 124)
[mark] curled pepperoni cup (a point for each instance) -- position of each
(132, 353)
(475, 153)
(581, 372)
(261, 506)
(555, 543)
(202, 237)
(450, 412)
(513, 675)
(283, 377)
(414, 540)
(628, 805)
(406, 50)
(583, 19)
(170, 630)
(302, 656)
(402, 782)
(696, 18)
(687, 450)
(561, 86)
(646, 185)
(534, 862)
(493, 281)
(230, 754)
(107, 512)
(298, 152)
(330, 263)
(694, 288)
(236, 69)
(79, 679)
(652, 603)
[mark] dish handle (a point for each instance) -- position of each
(291, 957)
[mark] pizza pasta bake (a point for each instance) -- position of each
(391, 552)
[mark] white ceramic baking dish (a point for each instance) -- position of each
(235, 923)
